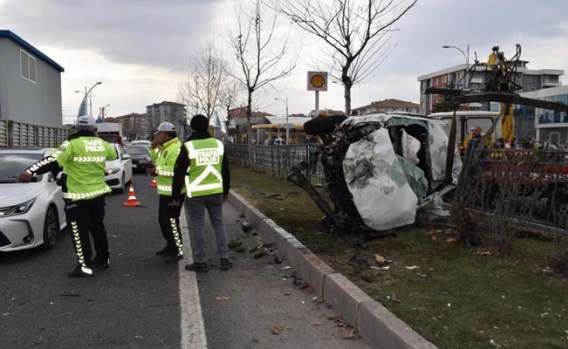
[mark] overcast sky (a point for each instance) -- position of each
(140, 49)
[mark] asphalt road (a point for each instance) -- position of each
(140, 302)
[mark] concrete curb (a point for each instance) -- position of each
(376, 324)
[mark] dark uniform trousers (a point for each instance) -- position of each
(84, 217)
(168, 218)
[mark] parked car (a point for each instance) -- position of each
(118, 172)
(140, 155)
(31, 214)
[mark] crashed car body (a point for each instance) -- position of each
(379, 168)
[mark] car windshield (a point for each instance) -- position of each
(11, 165)
(136, 150)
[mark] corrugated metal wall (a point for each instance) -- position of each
(22, 135)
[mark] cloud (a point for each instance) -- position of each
(140, 49)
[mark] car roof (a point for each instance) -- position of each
(39, 151)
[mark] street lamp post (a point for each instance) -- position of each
(466, 56)
(103, 112)
(88, 97)
(287, 125)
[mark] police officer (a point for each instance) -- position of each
(82, 157)
(165, 151)
(205, 169)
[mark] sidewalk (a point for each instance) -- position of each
(373, 322)
(256, 304)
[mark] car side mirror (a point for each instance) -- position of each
(126, 156)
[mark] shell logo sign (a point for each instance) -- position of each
(317, 81)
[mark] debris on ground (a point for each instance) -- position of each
(223, 298)
(232, 244)
(246, 226)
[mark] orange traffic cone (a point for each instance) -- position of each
(132, 201)
(153, 184)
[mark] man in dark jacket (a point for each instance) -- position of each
(203, 164)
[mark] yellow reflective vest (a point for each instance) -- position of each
(83, 160)
(204, 174)
(165, 161)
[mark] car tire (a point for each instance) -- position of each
(51, 229)
(124, 185)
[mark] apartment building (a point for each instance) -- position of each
(477, 78)
(549, 125)
(142, 126)
(388, 106)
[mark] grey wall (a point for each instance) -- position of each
(21, 100)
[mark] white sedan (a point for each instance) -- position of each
(31, 214)
(118, 172)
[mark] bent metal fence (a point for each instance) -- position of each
(277, 160)
(515, 188)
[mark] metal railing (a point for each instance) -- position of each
(277, 160)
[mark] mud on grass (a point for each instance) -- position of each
(453, 296)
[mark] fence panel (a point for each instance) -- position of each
(277, 160)
(21, 135)
(3, 134)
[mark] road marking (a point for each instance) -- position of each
(192, 327)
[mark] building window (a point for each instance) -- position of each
(27, 66)
(554, 137)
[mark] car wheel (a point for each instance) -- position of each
(51, 229)
(124, 185)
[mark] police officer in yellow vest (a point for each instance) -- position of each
(203, 166)
(164, 154)
(82, 158)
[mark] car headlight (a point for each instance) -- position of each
(16, 209)
(110, 171)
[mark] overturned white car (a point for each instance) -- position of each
(379, 168)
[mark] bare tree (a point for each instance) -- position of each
(201, 91)
(229, 96)
(356, 32)
(260, 61)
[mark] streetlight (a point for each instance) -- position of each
(287, 125)
(466, 56)
(103, 112)
(90, 97)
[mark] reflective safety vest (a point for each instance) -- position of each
(204, 174)
(165, 162)
(83, 160)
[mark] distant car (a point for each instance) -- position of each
(31, 214)
(141, 142)
(140, 155)
(118, 172)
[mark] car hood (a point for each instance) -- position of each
(139, 157)
(113, 164)
(17, 193)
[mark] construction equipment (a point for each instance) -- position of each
(501, 87)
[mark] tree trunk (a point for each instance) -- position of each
(249, 132)
(347, 96)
